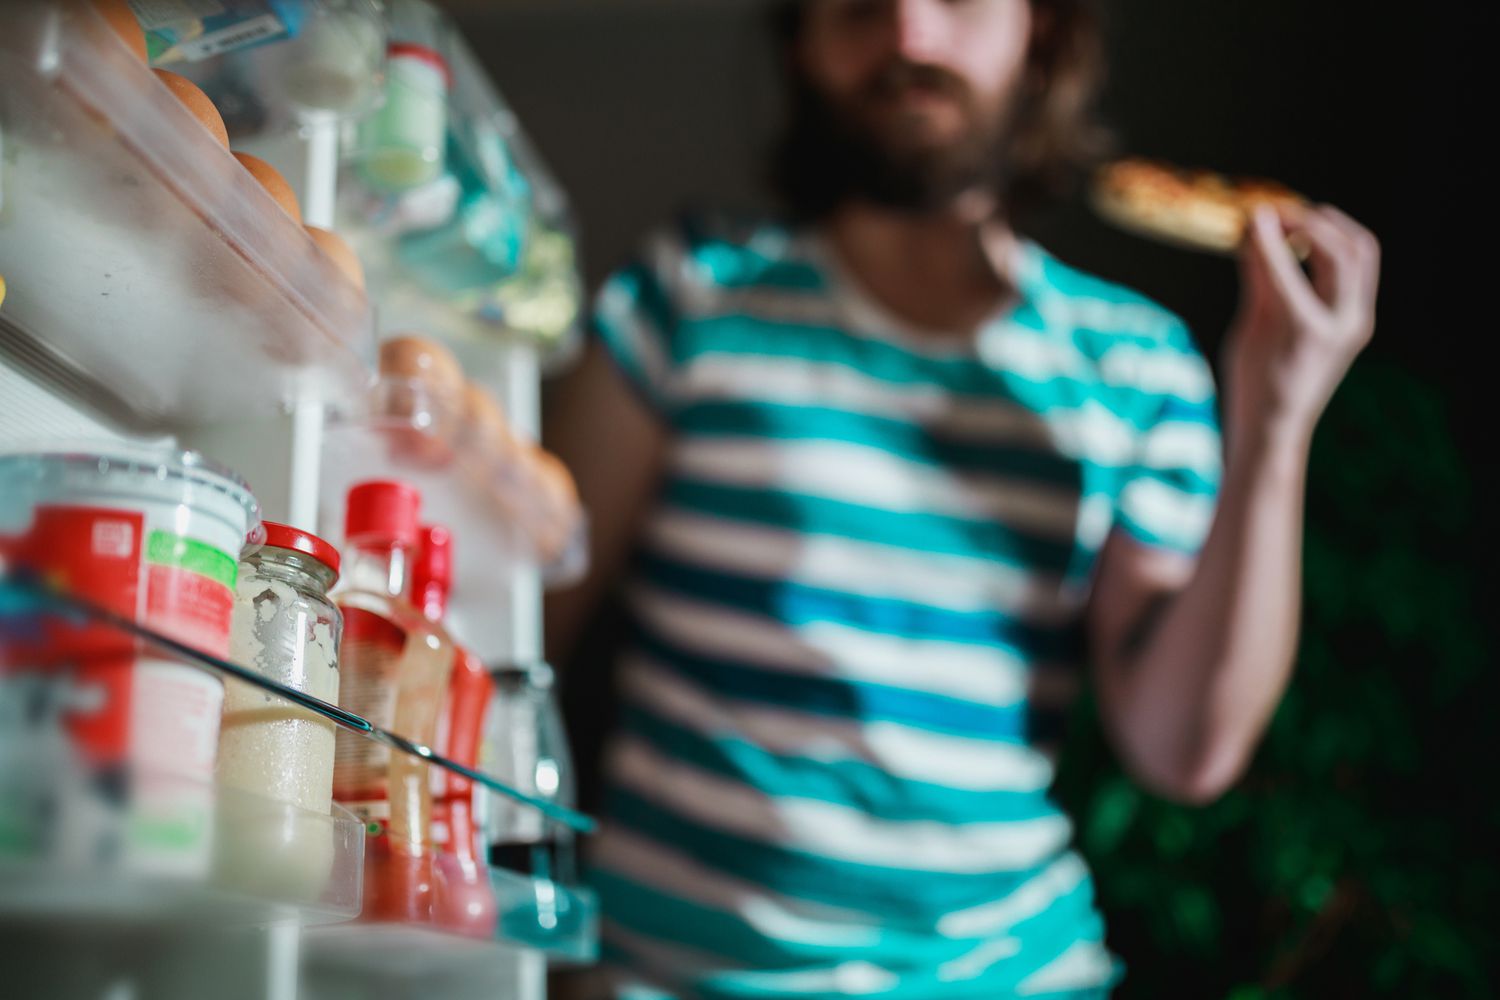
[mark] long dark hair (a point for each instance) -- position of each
(1053, 133)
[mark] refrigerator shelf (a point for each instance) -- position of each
(24, 602)
(478, 916)
(131, 849)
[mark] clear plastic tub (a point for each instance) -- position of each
(154, 537)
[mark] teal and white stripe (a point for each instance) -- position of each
(857, 607)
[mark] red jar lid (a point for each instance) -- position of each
(284, 536)
(383, 510)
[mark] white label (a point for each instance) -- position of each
(174, 724)
(113, 539)
(257, 29)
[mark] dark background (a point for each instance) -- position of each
(1359, 857)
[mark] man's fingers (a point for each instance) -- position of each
(1366, 251)
(1332, 259)
(1269, 250)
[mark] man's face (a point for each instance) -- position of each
(924, 85)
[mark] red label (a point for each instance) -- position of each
(468, 698)
(366, 626)
(99, 708)
(94, 553)
(123, 705)
(188, 607)
(369, 656)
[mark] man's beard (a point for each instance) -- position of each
(830, 154)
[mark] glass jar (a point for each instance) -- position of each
(286, 629)
(525, 746)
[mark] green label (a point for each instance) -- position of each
(180, 833)
(166, 549)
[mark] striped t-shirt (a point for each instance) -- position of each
(857, 610)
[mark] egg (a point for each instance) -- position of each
(123, 23)
(428, 362)
(559, 508)
(343, 257)
(197, 102)
(486, 432)
(276, 185)
(556, 481)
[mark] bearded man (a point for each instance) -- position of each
(885, 482)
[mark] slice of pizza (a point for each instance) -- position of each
(1197, 209)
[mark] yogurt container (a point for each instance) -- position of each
(154, 536)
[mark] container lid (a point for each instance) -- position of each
(284, 536)
(139, 472)
(384, 509)
(422, 53)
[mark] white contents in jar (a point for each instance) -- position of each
(274, 749)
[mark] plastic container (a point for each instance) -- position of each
(287, 629)
(402, 144)
(483, 242)
(335, 63)
(154, 537)
(332, 69)
(544, 300)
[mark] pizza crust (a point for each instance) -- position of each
(1197, 210)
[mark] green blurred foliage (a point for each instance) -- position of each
(1358, 858)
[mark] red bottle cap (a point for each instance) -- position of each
(284, 536)
(432, 570)
(383, 510)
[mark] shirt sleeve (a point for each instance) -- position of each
(635, 319)
(1170, 490)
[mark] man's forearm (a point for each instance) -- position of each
(1193, 695)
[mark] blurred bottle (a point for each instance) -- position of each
(394, 667)
(543, 300)
(482, 243)
(402, 143)
(380, 530)
(336, 63)
(526, 747)
(462, 898)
